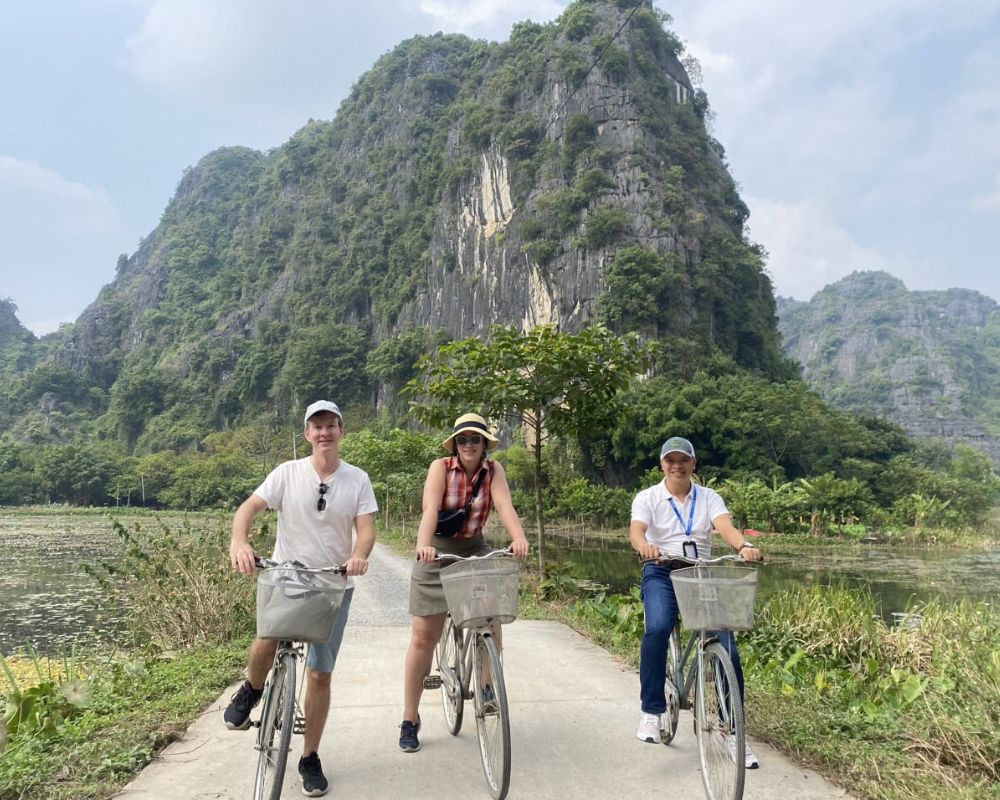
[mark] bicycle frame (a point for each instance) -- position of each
(686, 676)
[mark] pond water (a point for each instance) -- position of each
(46, 599)
(897, 578)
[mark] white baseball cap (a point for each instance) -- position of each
(323, 405)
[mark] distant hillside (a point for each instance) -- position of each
(928, 360)
(563, 176)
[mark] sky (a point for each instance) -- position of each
(863, 134)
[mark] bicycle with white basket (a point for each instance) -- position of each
(711, 598)
(295, 605)
(481, 592)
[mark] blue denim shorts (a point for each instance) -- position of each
(323, 657)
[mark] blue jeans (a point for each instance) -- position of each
(660, 607)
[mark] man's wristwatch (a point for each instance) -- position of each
(745, 544)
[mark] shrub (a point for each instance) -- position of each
(178, 586)
(594, 503)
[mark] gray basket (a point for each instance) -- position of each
(298, 605)
(481, 591)
(715, 598)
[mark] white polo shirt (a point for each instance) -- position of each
(667, 529)
(316, 538)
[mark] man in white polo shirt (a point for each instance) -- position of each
(320, 501)
(675, 518)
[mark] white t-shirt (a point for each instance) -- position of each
(316, 538)
(668, 530)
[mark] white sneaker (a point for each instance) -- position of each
(750, 761)
(650, 726)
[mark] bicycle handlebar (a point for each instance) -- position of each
(506, 551)
(266, 563)
(663, 557)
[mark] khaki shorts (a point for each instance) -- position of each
(426, 594)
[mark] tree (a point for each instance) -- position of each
(551, 383)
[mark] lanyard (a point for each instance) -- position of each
(680, 519)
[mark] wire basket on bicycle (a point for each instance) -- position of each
(298, 604)
(481, 590)
(715, 597)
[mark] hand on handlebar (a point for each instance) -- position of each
(426, 553)
(243, 557)
(751, 554)
(356, 565)
(648, 551)
(519, 548)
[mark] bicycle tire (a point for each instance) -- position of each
(493, 720)
(720, 726)
(449, 663)
(275, 736)
(671, 689)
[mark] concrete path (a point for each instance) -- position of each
(573, 716)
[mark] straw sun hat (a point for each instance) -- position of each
(469, 423)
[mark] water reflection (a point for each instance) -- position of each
(895, 577)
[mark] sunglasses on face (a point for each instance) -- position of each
(463, 440)
(321, 503)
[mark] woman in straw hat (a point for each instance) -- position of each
(465, 480)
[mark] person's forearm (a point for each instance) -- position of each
(425, 531)
(637, 539)
(242, 523)
(512, 523)
(364, 542)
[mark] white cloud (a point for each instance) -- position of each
(991, 201)
(808, 248)
(28, 190)
(711, 61)
(487, 16)
(58, 240)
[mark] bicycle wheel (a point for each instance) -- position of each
(275, 735)
(671, 689)
(719, 723)
(449, 664)
(492, 718)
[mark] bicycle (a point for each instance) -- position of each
(481, 592)
(295, 604)
(710, 599)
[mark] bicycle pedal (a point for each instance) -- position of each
(433, 682)
(299, 725)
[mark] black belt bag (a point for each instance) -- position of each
(451, 522)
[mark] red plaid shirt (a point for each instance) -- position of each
(458, 488)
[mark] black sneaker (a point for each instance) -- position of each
(408, 741)
(237, 715)
(489, 700)
(314, 782)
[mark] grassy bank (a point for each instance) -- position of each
(134, 706)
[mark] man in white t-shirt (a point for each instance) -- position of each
(320, 501)
(675, 518)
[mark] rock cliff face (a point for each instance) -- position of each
(461, 184)
(929, 361)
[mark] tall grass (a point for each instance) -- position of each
(915, 708)
(178, 584)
